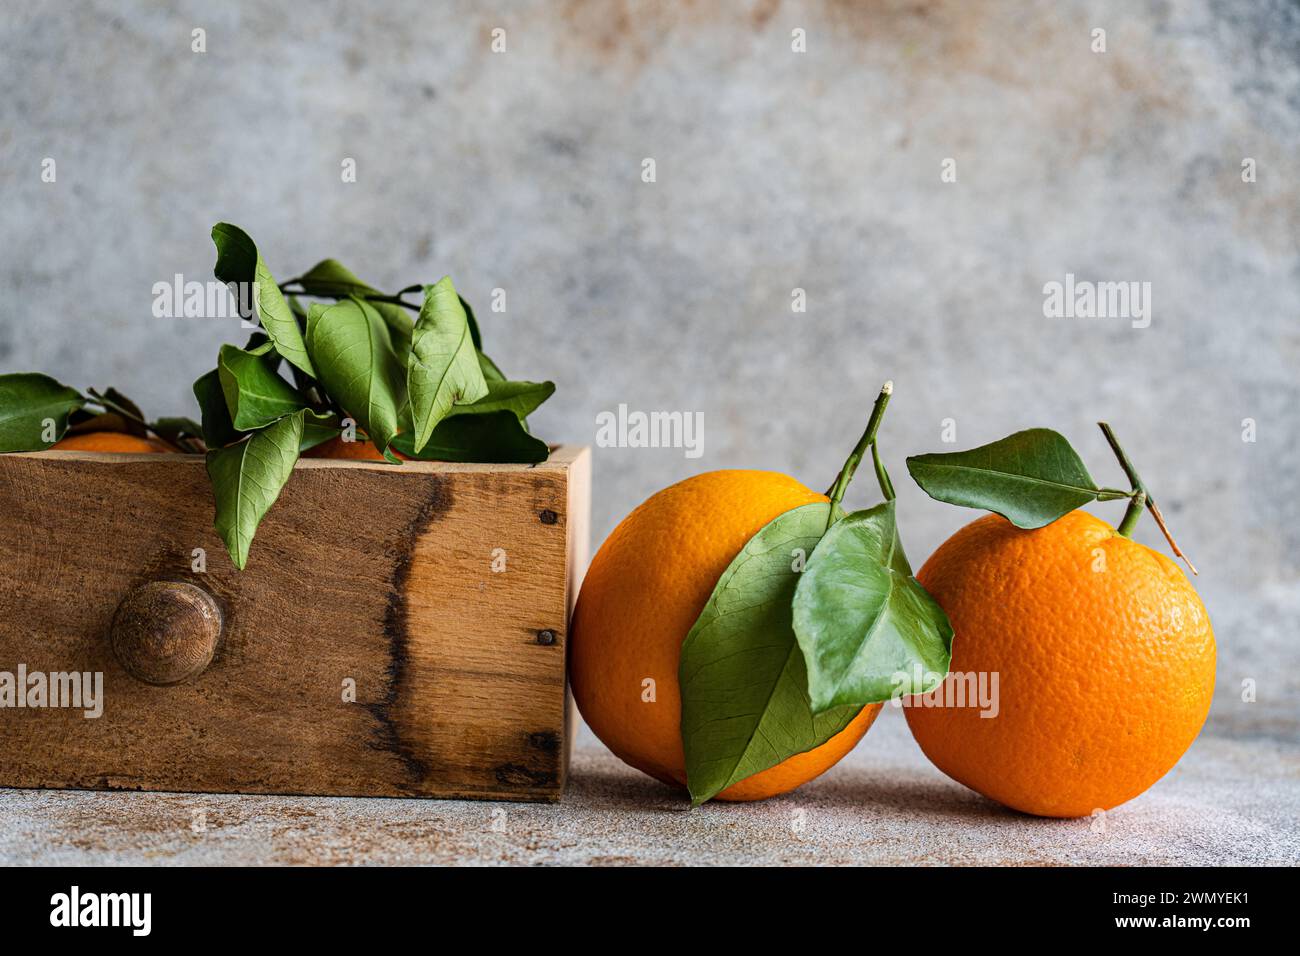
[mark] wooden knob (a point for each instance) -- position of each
(165, 632)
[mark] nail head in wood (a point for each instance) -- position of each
(549, 517)
(166, 632)
(546, 637)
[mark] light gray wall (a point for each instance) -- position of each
(776, 170)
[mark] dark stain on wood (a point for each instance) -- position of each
(396, 630)
(546, 740)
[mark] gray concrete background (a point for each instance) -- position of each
(776, 170)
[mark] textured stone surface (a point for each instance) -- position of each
(1227, 802)
(775, 170)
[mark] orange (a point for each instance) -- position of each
(363, 449)
(110, 441)
(1105, 661)
(644, 589)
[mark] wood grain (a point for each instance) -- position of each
(372, 573)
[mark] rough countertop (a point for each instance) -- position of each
(1232, 800)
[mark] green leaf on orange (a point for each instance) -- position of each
(744, 686)
(1031, 478)
(867, 628)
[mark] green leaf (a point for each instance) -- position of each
(400, 326)
(1031, 478)
(497, 437)
(248, 477)
(133, 420)
(299, 313)
(304, 383)
(866, 627)
(218, 429)
(239, 261)
(173, 428)
(178, 431)
(489, 368)
(260, 344)
(317, 430)
(744, 687)
(330, 279)
(27, 400)
(119, 399)
(472, 322)
(255, 395)
(443, 369)
(522, 398)
(357, 365)
(491, 372)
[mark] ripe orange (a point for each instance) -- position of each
(1105, 659)
(360, 450)
(109, 441)
(363, 449)
(644, 589)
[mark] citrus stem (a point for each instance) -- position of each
(1141, 497)
(369, 297)
(1132, 513)
(882, 476)
(836, 492)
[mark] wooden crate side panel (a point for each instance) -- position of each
(337, 588)
(485, 694)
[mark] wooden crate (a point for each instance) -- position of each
(389, 577)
